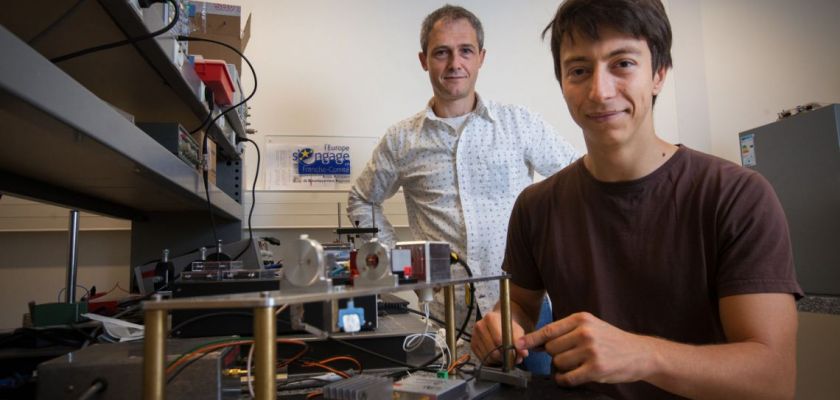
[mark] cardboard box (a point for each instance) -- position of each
(221, 22)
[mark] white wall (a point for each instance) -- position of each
(34, 268)
(351, 68)
(760, 57)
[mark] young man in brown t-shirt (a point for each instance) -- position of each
(670, 271)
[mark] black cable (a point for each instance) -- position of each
(253, 197)
(386, 358)
(205, 121)
(195, 319)
(72, 10)
(463, 263)
(206, 176)
(235, 50)
(89, 337)
(192, 320)
(453, 256)
(124, 42)
(213, 121)
(486, 356)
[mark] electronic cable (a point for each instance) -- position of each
(412, 342)
(477, 371)
(455, 258)
(72, 10)
(193, 320)
(206, 119)
(235, 50)
(213, 121)
(253, 198)
(60, 292)
(124, 42)
(389, 359)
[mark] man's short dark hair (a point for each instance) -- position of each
(451, 13)
(644, 19)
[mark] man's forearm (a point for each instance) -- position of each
(745, 370)
(366, 213)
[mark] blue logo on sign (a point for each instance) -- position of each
(333, 160)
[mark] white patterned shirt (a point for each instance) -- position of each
(460, 188)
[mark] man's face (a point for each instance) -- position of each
(609, 86)
(452, 59)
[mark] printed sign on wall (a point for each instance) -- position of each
(315, 162)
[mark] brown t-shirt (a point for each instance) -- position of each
(653, 255)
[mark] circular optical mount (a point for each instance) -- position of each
(373, 260)
(310, 267)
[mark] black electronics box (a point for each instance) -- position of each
(176, 139)
(120, 367)
(222, 322)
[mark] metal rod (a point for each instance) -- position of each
(507, 327)
(449, 302)
(265, 349)
(298, 296)
(72, 258)
(154, 351)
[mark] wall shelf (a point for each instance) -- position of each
(70, 147)
(66, 138)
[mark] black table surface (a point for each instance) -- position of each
(543, 387)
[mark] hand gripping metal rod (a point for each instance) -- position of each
(507, 326)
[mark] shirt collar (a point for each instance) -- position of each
(481, 110)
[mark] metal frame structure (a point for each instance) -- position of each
(263, 305)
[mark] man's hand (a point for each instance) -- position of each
(487, 337)
(586, 349)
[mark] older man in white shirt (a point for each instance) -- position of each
(462, 161)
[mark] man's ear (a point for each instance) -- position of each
(423, 63)
(482, 53)
(659, 80)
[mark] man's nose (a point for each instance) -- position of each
(454, 63)
(602, 85)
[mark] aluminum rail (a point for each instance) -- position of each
(296, 296)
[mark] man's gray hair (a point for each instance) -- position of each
(451, 13)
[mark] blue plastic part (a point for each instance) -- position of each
(349, 310)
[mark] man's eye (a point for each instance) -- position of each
(466, 51)
(625, 64)
(576, 72)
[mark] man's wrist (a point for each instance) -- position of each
(653, 362)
